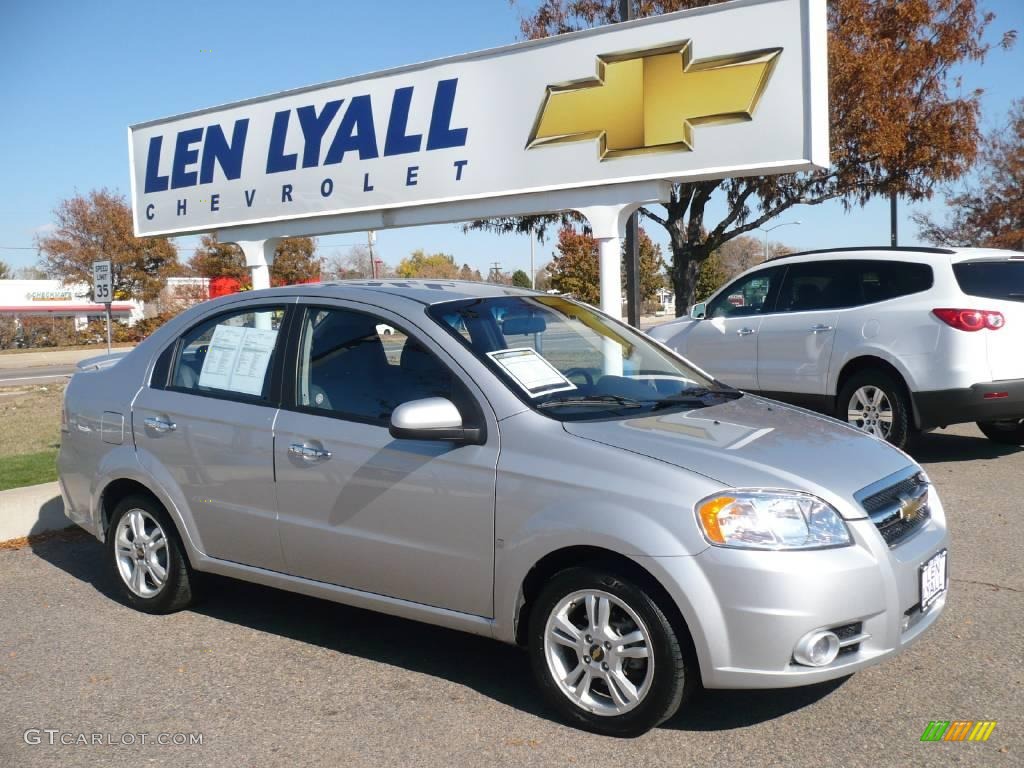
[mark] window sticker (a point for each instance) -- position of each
(531, 371)
(237, 359)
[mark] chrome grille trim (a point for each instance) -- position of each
(898, 504)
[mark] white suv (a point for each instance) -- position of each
(892, 340)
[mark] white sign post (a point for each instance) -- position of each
(103, 290)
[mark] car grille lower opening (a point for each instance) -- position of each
(846, 632)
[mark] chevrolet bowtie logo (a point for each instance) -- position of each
(649, 101)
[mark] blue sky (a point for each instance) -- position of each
(74, 75)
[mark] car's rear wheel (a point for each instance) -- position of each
(604, 653)
(148, 559)
(1008, 432)
(874, 402)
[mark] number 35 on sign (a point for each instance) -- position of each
(102, 290)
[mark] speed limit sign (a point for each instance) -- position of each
(102, 289)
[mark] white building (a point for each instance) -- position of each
(52, 298)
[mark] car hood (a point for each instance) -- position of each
(752, 442)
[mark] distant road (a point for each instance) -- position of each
(40, 374)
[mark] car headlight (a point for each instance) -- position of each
(757, 519)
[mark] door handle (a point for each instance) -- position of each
(820, 328)
(308, 452)
(744, 331)
(160, 425)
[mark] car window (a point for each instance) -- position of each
(991, 279)
(874, 281)
(747, 296)
(229, 354)
(813, 286)
(356, 365)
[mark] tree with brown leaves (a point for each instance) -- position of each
(574, 268)
(216, 259)
(295, 261)
(96, 227)
(989, 211)
(895, 124)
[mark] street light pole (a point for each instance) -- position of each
(533, 271)
(766, 230)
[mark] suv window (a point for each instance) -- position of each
(229, 354)
(991, 279)
(358, 366)
(814, 285)
(750, 295)
(875, 281)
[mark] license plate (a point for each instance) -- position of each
(933, 579)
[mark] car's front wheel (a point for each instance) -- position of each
(874, 402)
(147, 557)
(1010, 432)
(604, 653)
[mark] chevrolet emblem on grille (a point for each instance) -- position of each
(912, 504)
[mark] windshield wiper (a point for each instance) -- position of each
(695, 397)
(596, 400)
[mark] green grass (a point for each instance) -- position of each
(28, 469)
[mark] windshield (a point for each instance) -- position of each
(572, 363)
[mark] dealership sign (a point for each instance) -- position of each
(735, 89)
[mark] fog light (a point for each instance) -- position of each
(817, 649)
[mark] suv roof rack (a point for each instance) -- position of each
(895, 248)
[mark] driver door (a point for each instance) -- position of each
(725, 342)
(410, 519)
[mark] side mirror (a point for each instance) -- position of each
(432, 418)
(699, 311)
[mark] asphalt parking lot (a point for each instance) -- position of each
(268, 678)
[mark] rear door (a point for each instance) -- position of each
(998, 285)
(207, 426)
(795, 343)
(725, 342)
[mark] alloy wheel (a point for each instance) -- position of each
(140, 547)
(599, 653)
(871, 411)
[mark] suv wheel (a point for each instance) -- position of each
(873, 402)
(152, 572)
(1009, 432)
(604, 653)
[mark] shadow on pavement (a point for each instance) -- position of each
(493, 669)
(948, 446)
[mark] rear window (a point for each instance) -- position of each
(991, 279)
(876, 280)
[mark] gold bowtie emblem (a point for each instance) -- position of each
(649, 101)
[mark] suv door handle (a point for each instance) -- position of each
(744, 331)
(160, 425)
(820, 328)
(308, 452)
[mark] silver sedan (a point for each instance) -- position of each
(512, 464)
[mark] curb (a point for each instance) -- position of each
(32, 510)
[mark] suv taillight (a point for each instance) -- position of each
(971, 319)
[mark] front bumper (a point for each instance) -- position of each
(942, 407)
(746, 610)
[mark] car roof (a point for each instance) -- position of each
(423, 291)
(922, 253)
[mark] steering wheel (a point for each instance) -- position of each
(584, 372)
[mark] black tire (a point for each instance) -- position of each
(896, 394)
(175, 592)
(1010, 432)
(673, 678)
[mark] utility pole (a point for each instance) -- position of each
(495, 272)
(893, 233)
(632, 229)
(533, 271)
(371, 238)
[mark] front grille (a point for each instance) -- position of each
(901, 509)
